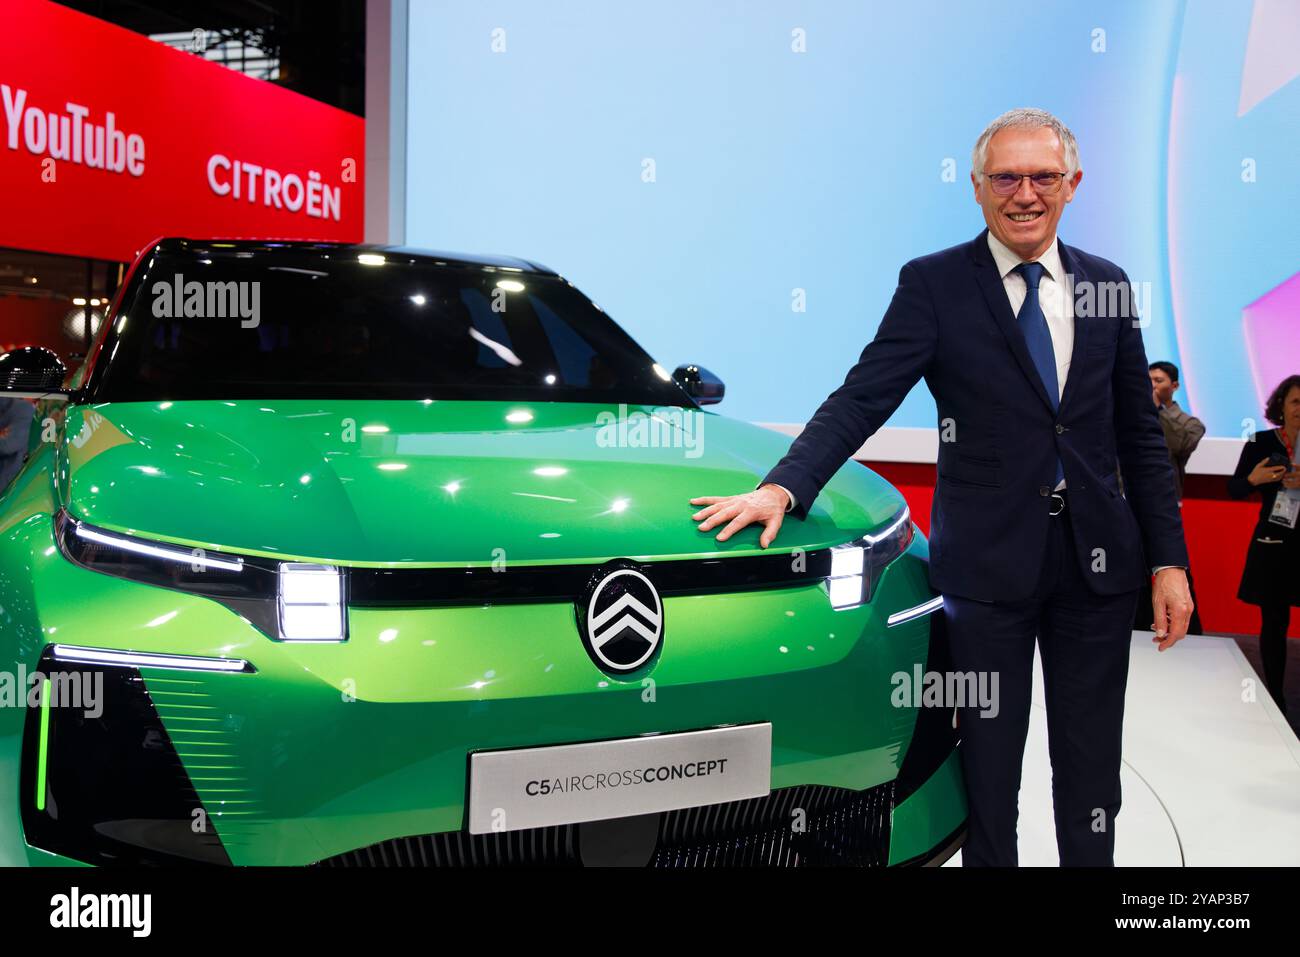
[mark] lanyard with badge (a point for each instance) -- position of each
(1286, 507)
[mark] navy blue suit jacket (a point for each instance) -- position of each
(950, 323)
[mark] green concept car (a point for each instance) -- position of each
(347, 556)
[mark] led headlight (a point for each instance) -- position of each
(311, 602)
(847, 583)
(856, 567)
(165, 553)
(288, 601)
(196, 570)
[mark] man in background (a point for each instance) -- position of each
(1183, 432)
(15, 424)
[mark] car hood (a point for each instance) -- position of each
(435, 482)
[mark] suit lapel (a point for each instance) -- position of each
(1082, 327)
(995, 294)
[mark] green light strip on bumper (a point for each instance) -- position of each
(45, 745)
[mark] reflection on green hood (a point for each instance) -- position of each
(436, 482)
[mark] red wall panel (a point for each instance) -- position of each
(174, 125)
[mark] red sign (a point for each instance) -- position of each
(109, 139)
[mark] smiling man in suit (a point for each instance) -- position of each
(1033, 353)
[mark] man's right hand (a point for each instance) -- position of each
(764, 505)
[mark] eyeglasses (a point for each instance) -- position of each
(1005, 184)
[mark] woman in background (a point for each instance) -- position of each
(1271, 578)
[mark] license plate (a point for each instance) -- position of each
(571, 783)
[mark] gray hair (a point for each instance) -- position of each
(1025, 118)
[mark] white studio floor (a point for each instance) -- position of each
(1208, 779)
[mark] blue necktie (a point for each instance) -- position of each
(1033, 325)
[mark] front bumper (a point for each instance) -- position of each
(329, 752)
(806, 825)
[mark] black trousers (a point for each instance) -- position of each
(1275, 619)
(1083, 639)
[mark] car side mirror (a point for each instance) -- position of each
(32, 373)
(700, 384)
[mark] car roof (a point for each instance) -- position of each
(299, 249)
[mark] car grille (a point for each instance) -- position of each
(803, 826)
(427, 587)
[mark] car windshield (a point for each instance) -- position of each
(332, 322)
